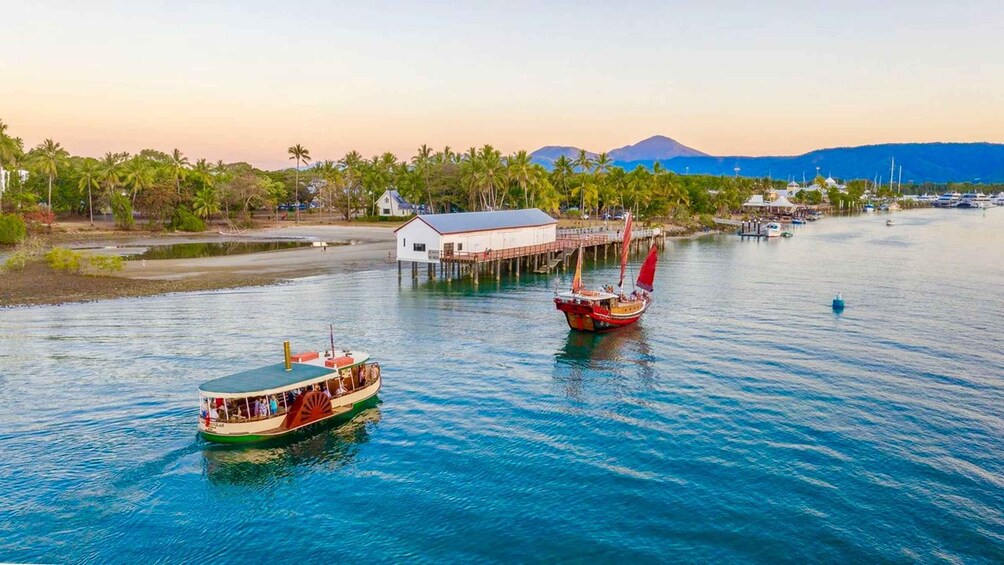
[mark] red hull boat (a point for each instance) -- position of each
(604, 310)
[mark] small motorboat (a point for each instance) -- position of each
(838, 303)
(773, 229)
(890, 222)
(797, 221)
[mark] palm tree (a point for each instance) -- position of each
(108, 170)
(90, 171)
(520, 170)
(50, 156)
(328, 171)
(179, 164)
(300, 154)
(584, 164)
(138, 176)
(422, 162)
(562, 170)
(491, 177)
(205, 203)
(352, 164)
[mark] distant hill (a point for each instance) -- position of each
(548, 155)
(921, 162)
(657, 147)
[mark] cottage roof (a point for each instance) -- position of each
(483, 221)
(401, 202)
(755, 200)
(782, 202)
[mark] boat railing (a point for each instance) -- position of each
(227, 416)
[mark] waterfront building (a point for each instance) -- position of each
(430, 237)
(392, 204)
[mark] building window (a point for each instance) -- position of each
(404, 242)
(419, 247)
(386, 211)
(460, 247)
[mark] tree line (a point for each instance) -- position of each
(171, 189)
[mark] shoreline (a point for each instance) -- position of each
(370, 248)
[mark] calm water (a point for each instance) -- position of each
(741, 421)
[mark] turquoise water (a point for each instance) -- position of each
(742, 420)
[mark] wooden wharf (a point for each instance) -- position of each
(596, 243)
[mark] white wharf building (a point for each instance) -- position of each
(430, 237)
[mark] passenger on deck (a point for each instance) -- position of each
(273, 405)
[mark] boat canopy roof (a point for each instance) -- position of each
(272, 379)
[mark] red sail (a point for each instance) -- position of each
(577, 280)
(625, 247)
(647, 274)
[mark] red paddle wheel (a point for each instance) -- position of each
(309, 407)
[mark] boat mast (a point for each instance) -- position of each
(625, 247)
(577, 279)
(892, 173)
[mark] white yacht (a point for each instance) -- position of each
(948, 200)
(999, 200)
(772, 229)
(975, 200)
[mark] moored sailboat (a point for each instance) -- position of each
(603, 310)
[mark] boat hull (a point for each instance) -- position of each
(589, 318)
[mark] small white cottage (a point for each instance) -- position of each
(391, 203)
(427, 238)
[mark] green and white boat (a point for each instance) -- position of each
(275, 400)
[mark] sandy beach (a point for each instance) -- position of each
(354, 248)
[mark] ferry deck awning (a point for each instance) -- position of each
(263, 380)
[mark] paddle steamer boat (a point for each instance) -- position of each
(275, 400)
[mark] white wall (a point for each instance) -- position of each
(472, 242)
(417, 231)
(388, 203)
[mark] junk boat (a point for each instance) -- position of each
(598, 311)
(275, 400)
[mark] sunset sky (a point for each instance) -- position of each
(242, 81)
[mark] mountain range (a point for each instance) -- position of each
(921, 162)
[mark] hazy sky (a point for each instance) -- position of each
(244, 80)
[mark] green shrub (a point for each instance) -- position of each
(184, 220)
(383, 218)
(29, 249)
(12, 229)
(706, 220)
(122, 210)
(106, 263)
(63, 259)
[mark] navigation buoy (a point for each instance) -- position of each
(838, 303)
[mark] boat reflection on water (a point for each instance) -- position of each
(332, 447)
(589, 356)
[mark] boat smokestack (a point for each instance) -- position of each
(288, 355)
